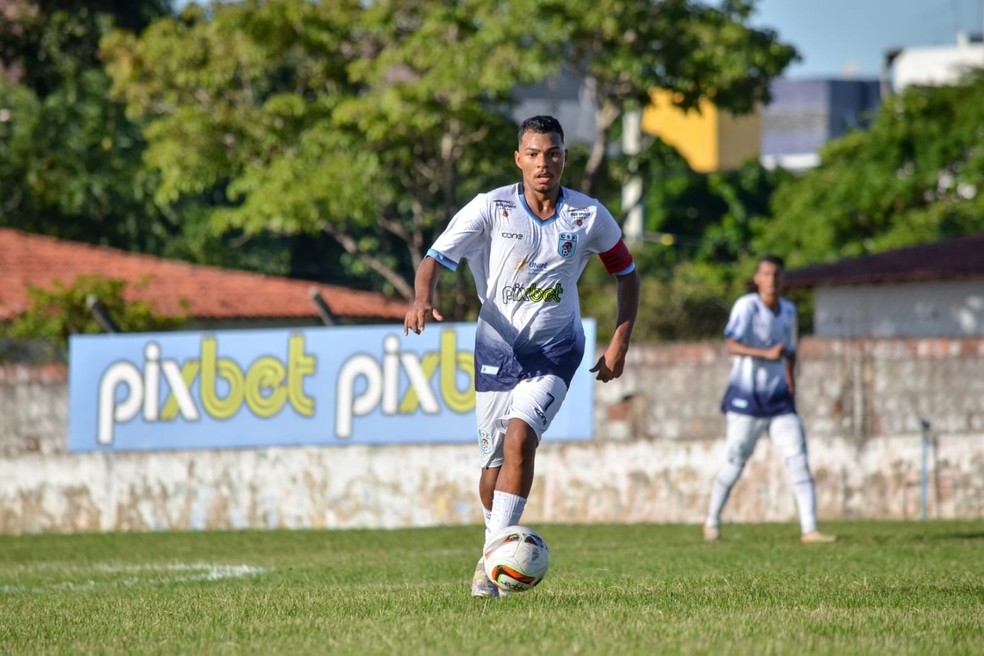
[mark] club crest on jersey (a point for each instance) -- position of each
(566, 244)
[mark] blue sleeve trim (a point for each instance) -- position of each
(443, 260)
(627, 270)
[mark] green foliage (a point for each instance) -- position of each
(343, 118)
(72, 164)
(697, 256)
(913, 177)
(45, 44)
(685, 308)
(55, 314)
(883, 588)
(694, 50)
(70, 161)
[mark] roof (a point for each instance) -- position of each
(211, 293)
(948, 259)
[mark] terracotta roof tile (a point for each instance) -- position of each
(211, 292)
(947, 259)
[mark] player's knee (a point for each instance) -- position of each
(521, 442)
(738, 455)
(799, 468)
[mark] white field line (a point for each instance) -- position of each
(138, 575)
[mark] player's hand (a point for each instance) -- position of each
(418, 315)
(775, 351)
(606, 371)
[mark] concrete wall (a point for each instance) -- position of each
(658, 445)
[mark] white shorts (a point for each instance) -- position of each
(534, 400)
(743, 431)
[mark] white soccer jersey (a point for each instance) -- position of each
(757, 386)
(526, 271)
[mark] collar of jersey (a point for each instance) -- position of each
(537, 220)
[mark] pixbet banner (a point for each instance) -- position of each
(311, 386)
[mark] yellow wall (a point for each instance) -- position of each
(710, 140)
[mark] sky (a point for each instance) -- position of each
(848, 38)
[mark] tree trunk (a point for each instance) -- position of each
(605, 117)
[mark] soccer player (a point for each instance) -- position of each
(526, 245)
(761, 335)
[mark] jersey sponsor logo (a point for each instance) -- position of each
(534, 293)
(579, 216)
(566, 244)
(502, 207)
(526, 265)
(512, 235)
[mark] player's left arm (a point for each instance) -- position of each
(791, 373)
(619, 262)
(791, 350)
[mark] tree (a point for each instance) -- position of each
(70, 161)
(334, 117)
(913, 176)
(373, 123)
(698, 255)
(626, 50)
(45, 43)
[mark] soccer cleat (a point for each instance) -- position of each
(482, 585)
(712, 533)
(817, 537)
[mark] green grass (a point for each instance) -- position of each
(883, 588)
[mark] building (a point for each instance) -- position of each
(709, 138)
(935, 65)
(211, 297)
(788, 132)
(568, 97)
(806, 114)
(931, 290)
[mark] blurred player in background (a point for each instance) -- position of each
(761, 336)
(526, 245)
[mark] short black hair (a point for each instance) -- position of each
(773, 259)
(540, 125)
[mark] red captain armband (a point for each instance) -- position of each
(617, 258)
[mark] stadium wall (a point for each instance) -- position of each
(657, 446)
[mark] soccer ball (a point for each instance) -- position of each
(516, 558)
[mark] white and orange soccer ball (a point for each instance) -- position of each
(516, 558)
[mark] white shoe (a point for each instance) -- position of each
(817, 537)
(712, 533)
(482, 585)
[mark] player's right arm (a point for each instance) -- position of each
(774, 352)
(424, 285)
(739, 331)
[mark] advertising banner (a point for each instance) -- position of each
(308, 386)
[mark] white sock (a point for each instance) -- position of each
(506, 511)
(804, 491)
(488, 518)
(725, 479)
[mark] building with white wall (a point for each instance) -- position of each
(936, 65)
(931, 290)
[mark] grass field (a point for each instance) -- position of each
(883, 588)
